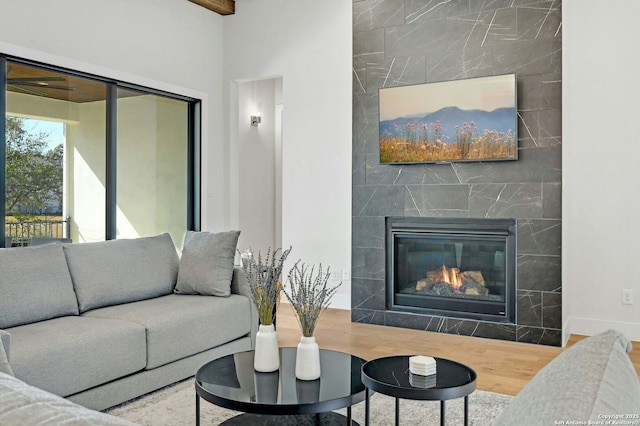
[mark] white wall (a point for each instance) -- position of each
(173, 45)
(308, 44)
(257, 166)
(601, 196)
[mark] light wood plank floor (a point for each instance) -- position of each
(503, 367)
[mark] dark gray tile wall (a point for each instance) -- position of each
(402, 42)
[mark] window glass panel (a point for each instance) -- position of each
(55, 156)
(151, 165)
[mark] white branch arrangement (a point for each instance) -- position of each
(265, 282)
(309, 295)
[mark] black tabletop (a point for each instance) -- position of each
(391, 376)
(231, 382)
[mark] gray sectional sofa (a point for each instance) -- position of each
(101, 323)
(592, 382)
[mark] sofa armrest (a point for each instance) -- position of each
(590, 380)
(5, 337)
(240, 285)
(5, 366)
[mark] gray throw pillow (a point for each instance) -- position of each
(206, 265)
(4, 362)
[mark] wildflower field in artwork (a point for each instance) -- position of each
(472, 119)
(416, 142)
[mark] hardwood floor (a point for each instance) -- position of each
(503, 367)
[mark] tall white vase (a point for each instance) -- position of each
(308, 359)
(266, 354)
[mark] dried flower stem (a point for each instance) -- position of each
(265, 282)
(310, 295)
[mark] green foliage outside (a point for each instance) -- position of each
(33, 171)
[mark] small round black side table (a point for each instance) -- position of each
(391, 376)
(279, 398)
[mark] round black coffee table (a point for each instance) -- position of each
(391, 376)
(279, 398)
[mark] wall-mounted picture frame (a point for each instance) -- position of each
(473, 119)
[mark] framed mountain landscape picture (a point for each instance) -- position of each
(473, 119)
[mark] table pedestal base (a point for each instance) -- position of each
(328, 419)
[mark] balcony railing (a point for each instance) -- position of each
(20, 233)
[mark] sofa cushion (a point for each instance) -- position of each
(179, 326)
(206, 265)
(589, 380)
(70, 354)
(26, 405)
(120, 271)
(34, 285)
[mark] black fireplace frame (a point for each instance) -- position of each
(482, 228)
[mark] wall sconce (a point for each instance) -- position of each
(256, 119)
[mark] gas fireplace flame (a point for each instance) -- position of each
(451, 277)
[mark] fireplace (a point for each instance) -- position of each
(452, 267)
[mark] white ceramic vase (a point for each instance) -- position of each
(266, 354)
(308, 359)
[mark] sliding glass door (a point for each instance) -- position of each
(152, 146)
(87, 159)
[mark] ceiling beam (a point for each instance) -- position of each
(222, 7)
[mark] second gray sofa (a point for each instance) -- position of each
(100, 323)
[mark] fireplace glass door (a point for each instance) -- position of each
(458, 267)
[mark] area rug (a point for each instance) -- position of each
(175, 406)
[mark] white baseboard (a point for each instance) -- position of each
(589, 327)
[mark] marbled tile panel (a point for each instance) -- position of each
(478, 6)
(382, 200)
(539, 273)
(412, 174)
(550, 127)
(372, 14)
(365, 135)
(539, 21)
(359, 78)
(533, 165)
(528, 129)
(418, 11)
(455, 64)
(505, 200)
(449, 40)
(482, 29)
(365, 107)
(551, 91)
(551, 200)
(414, 321)
(368, 46)
(368, 231)
(368, 294)
(529, 87)
(481, 329)
(358, 172)
(367, 316)
(437, 200)
(552, 310)
(415, 39)
(539, 236)
(381, 174)
(529, 308)
(539, 336)
(528, 57)
(396, 72)
(368, 263)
